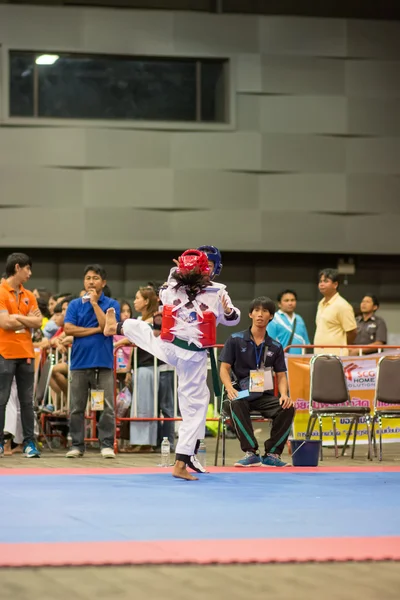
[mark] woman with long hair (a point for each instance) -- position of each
(143, 435)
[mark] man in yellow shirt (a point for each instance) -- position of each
(336, 323)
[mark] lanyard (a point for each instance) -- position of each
(258, 352)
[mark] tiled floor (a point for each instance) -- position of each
(347, 581)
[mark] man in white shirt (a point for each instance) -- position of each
(336, 323)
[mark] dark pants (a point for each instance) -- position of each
(268, 407)
(166, 407)
(24, 373)
(82, 380)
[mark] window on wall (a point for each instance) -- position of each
(73, 86)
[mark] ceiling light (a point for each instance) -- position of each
(47, 59)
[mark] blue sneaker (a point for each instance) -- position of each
(30, 450)
(249, 460)
(273, 460)
(1, 450)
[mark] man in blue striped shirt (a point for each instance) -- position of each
(287, 327)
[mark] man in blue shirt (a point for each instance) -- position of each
(92, 361)
(252, 355)
(287, 327)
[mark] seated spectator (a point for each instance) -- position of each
(60, 342)
(44, 310)
(42, 293)
(252, 355)
(371, 330)
(51, 327)
(287, 327)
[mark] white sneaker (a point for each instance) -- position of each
(107, 453)
(196, 465)
(74, 453)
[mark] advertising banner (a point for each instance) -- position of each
(360, 373)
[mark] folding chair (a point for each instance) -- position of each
(388, 392)
(222, 423)
(328, 386)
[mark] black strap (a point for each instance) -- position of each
(293, 331)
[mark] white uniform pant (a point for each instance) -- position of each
(191, 368)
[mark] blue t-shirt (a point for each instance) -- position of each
(92, 351)
(280, 329)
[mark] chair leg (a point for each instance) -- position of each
(373, 436)
(335, 437)
(354, 437)
(320, 437)
(368, 422)
(346, 442)
(223, 441)
(380, 437)
(217, 444)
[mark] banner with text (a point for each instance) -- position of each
(360, 373)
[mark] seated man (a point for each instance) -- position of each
(252, 355)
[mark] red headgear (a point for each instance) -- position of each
(192, 260)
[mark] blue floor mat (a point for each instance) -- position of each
(117, 507)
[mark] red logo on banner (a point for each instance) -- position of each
(348, 370)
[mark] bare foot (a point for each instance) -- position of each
(17, 450)
(180, 472)
(110, 327)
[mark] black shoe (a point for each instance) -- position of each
(196, 465)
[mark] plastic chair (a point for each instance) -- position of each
(222, 423)
(387, 391)
(328, 386)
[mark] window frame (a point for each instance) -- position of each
(230, 96)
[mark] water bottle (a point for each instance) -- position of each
(120, 360)
(202, 454)
(165, 453)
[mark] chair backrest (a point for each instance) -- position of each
(328, 383)
(388, 380)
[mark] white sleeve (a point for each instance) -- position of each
(231, 319)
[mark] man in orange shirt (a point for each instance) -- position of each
(19, 314)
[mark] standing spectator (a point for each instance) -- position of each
(336, 323)
(143, 435)
(287, 327)
(122, 342)
(371, 330)
(19, 314)
(92, 361)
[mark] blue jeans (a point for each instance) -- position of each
(24, 372)
(82, 380)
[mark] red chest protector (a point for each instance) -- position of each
(207, 325)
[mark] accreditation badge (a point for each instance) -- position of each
(256, 381)
(97, 399)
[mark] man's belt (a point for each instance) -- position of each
(214, 370)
